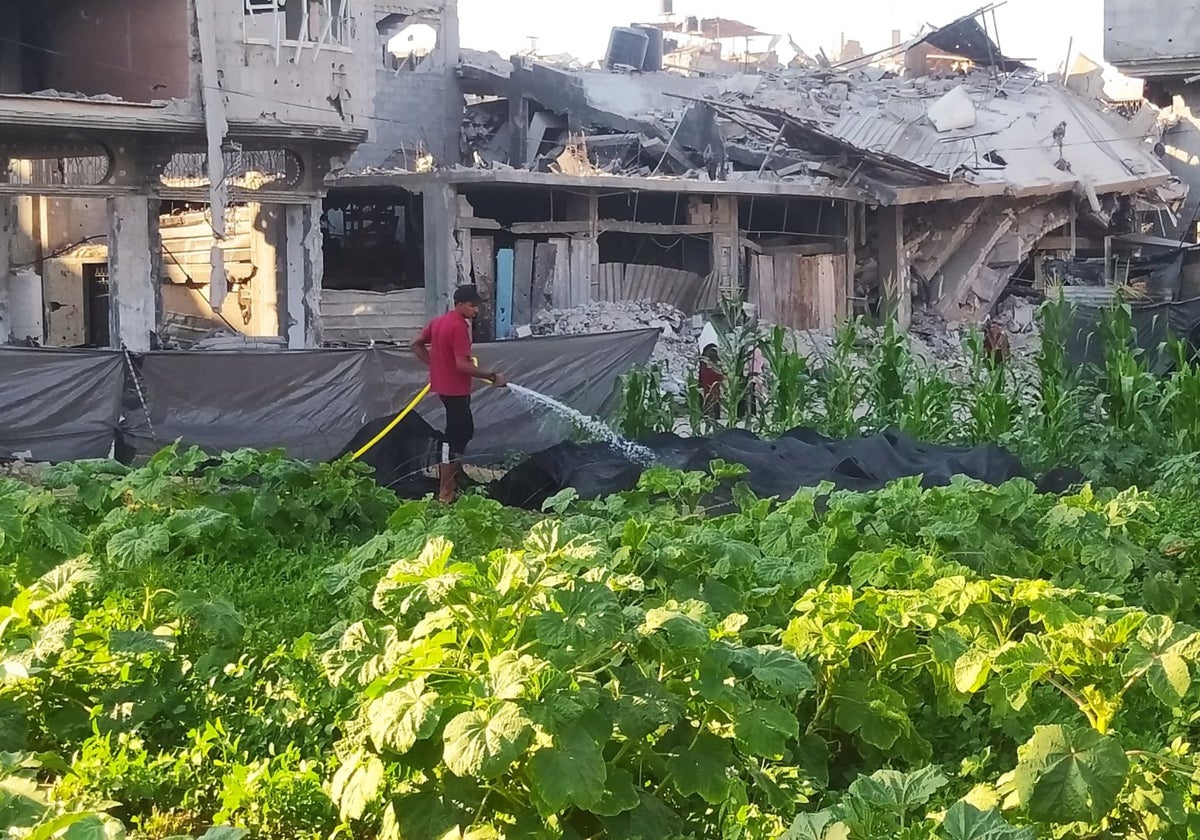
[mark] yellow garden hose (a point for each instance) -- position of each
(396, 421)
(407, 410)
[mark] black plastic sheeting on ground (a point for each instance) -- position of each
(800, 458)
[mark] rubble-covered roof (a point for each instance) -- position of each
(1001, 129)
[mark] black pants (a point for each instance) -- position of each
(460, 428)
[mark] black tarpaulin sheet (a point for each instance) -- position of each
(306, 402)
(970, 40)
(1154, 325)
(59, 405)
(581, 371)
(800, 458)
(312, 403)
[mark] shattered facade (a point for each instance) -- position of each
(932, 175)
(159, 186)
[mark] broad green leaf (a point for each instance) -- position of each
(586, 615)
(224, 832)
(485, 742)
(430, 574)
(1068, 775)
(643, 705)
(420, 816)
(781, 672)
(683, 632)
(510, 672)
(403, 716)
(818, 826)
(899, 792)
(966, 822)
(765, 729)
(61, 535)
(214, 616)
(619, 795)
(356, 784)
(651, 818)
(971, 671)
(571, 772)
(140, 545)
(702, 768)
(876, 713)
(138, 642)
(1161, 652)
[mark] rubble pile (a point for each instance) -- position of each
(676, 350)
(933, 341)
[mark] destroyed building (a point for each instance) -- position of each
(1155, 40)
(164, 162)
(813, 191)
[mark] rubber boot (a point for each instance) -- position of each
(446, 482)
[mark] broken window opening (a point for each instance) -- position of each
(253, 170)
(408, 48)
(325, 23)
(72, 171)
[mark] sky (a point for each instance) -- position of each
(1029, 29)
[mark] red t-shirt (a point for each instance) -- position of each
(449, 339)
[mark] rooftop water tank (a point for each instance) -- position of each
(654, 47)
(626, 48)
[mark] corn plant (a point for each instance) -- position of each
(842, 384)
(1128, 401)
(928, 411)
(735, 354)
(993, 406)
(1057, 421)
(644, 408)
(889, 371)
(700, 421)
(1181, 399)
(790, 390)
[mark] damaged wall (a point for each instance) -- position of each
(418, 100)
(299, 81)
(96, 47)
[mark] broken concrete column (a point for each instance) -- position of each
(134, 268)
(305, 264)
(726, 247)
(6, 224)
(893, 265)
(440, 203)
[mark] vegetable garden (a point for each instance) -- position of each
(253, 647)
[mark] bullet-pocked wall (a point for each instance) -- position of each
(296, 63)
(418, 100)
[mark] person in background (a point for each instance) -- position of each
(444, 346)
(710, 380)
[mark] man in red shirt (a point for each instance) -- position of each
(444, 346)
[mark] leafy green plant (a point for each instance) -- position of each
(644, 407)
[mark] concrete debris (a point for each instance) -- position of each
(953, 111)
(676, 351)
(935, 343)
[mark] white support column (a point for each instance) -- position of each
(266, 235)
(305, 260)
(134, 266)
